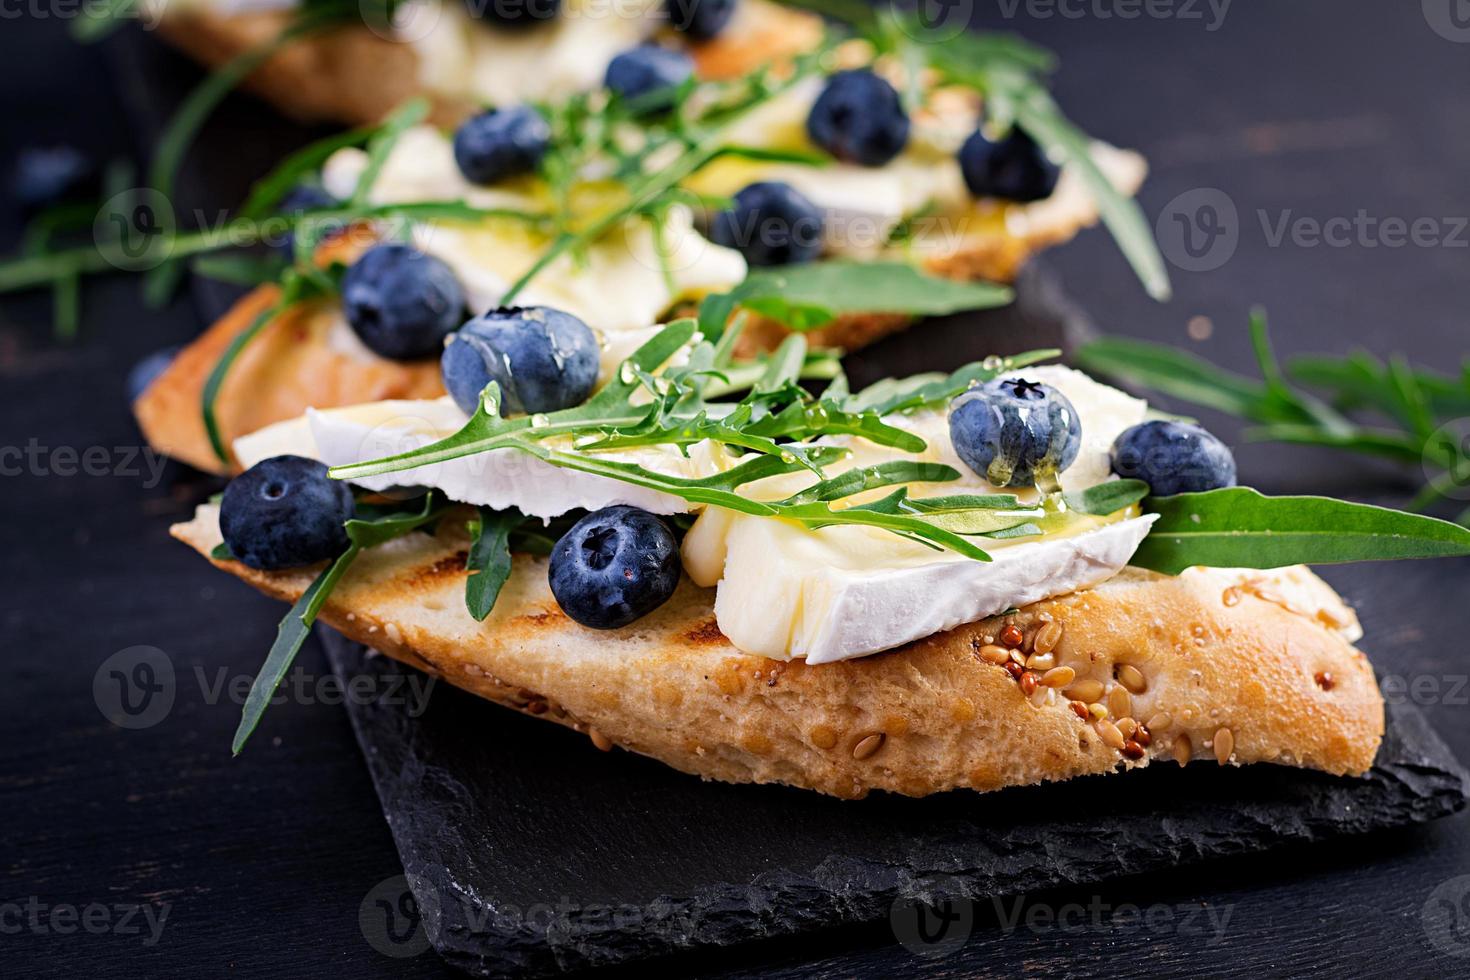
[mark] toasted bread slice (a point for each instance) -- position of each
(353, 75)
(1238, 666)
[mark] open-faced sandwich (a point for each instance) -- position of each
(868, 171)
(355, 62)
(996, 577)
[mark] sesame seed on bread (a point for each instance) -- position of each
(1242, 666)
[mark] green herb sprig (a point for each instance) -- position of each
(1238, 527)
(778, 423)
(1408, 408)
(362, 533)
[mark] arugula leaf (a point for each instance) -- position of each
(935, 390)
(97, 21)
(1238, 527)
(1178, 373)
(268, 192)
(489, 559)
(239, 270)
(805, 297)
(1420, 402)
(1107, 498)
(406, 116)
(296, 626)
(678, 415)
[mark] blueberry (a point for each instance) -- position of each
(1173, 457)
(615, 565)
(543, 360)
(302, 197)
(771, 224)
(401, 302)
(501, 143)
(700, 19)
(859, 118)
(640, 74)
(514, 13)
(285, 512)
(48, 175)
(1015, 433)
(146, 371)
(1013, 169)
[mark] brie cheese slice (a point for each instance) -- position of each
(790, 593)
(498, 479)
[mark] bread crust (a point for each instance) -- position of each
(1217, 651)
(352, 75)
(298, 361)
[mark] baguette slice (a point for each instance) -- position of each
(352, 75)
(1243, 666)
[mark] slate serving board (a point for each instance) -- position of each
(529, 852)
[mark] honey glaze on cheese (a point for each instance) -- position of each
(782, 590)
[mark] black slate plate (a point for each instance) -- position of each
(530, 853)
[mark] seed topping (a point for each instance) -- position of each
(1120, 705)
(1132, 678)
(1048, 637)
(1058, 677)
(992, 654)
(1224, 745)
(868, 746)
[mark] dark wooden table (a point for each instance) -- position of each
(1311, 110)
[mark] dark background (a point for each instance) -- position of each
(1304, 109)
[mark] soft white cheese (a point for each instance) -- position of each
(499, 479)
(784, 591)
(788, 593)
(624, 281)
(468, 58)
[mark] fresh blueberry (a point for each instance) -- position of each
(514, 13)
(401, 302)
(770, 224)
(501, 143)
(1015, 433)
(1173, 457)
(146, 371)
(1013, 169)
(47, 175)
(640, 74)
(543, 360)
(285, 512)
(615, 565)
(700, 19)
(302, 198)
(859, 118)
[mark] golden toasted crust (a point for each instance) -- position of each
(292, 365)
(1221, 662)
(354, 76)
